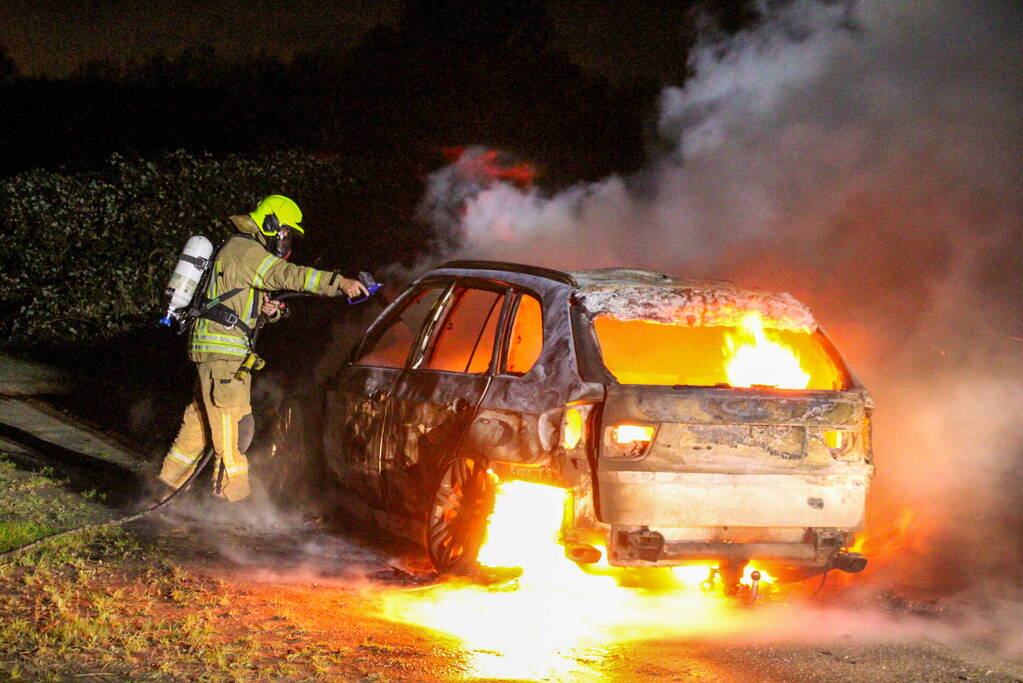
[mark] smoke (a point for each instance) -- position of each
(263, 541)
(864, 157)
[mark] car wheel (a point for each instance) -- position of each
(463, 498)
(287, 472)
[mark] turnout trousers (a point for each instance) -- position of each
(220, 414)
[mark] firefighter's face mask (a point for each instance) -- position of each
(282, 242)
(278, 236)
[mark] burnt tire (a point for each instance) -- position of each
(456, 522)
(288, 474)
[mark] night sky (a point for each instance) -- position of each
(618, 39)
(52, 36)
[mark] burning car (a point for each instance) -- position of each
(690, 421)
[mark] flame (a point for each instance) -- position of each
(756, 360)
(520, 510)
(491, 165)
(552, 621)
(904, 535)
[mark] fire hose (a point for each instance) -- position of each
(371, 286)
(253, 362)
(207, 454)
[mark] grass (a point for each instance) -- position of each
(114, 604)
(37, 504)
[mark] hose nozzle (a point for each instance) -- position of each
(369, 283)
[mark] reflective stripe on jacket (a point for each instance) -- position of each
(244, 263)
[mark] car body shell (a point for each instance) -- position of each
(729, 475)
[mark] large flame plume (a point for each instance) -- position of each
(537, 625)
(756, 360)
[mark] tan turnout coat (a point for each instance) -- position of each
(243, 263)
(220, 414)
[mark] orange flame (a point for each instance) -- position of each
(907, 534)
(536, 626)
(756, 360)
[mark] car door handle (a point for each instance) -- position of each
(458, 405)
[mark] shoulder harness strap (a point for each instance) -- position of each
(216, 311)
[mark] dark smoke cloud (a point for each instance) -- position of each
(866, 158)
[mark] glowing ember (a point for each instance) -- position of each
(755, 360)
(542, 625)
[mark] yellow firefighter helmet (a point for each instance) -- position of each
(284, 212)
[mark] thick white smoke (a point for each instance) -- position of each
(866, 158)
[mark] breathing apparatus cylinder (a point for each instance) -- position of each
(192, 264)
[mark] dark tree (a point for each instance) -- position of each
(449, 73)
(456, 72)
(8, 67)
(490, 25)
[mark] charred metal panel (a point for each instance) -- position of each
(502, 435)
(735, 448)
(353, 418)
(529, 407)
(674, 553)
(794, 547)
(706, 430)
(427, 413)
(728, 499)
(494, 432)
(581, 523)
(698, 444)
(701, 405)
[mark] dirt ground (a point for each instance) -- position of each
(207, 591)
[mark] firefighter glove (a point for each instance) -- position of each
(338, 285)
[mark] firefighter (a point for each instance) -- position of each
(250, 264)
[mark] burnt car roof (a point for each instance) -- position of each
(634, 294)
(604, 278)
(585, 280)
(453, 267)
(627, 294)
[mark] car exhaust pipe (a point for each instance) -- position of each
(582, 553)
(851, 563)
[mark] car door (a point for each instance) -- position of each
(356, 398)
(435, 398)
(509, 423)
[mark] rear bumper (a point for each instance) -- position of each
(643, 547)
(703, 499)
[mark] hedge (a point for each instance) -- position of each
(88, 255)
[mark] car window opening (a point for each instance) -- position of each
(464, 339)
(391, 348)
(647, 352)
(525, 341)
